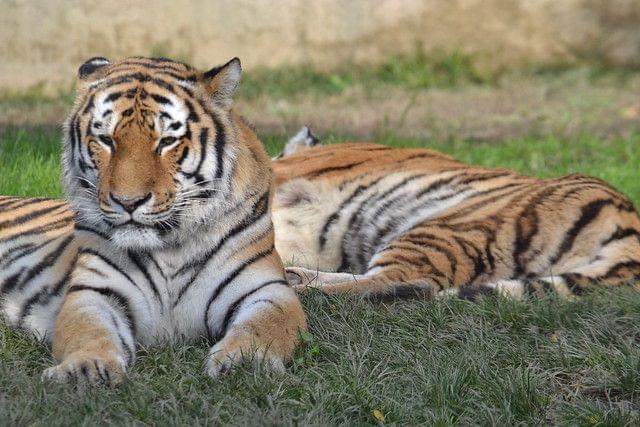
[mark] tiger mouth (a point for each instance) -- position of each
(133, 224)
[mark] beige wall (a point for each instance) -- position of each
(44, 41)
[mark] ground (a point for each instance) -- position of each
(449, 361)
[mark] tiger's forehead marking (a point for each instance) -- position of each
(163, 107)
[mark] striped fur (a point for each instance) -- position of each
(167, 235)
(385, 222)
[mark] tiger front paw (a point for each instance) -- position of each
(223, 358)
(84, 370)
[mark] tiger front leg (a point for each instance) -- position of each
(262, 328)
(93, 341)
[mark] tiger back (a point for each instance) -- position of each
(165, 234)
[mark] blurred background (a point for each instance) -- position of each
(479, 69)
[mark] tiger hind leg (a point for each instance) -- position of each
(609, 269)
(435, 260)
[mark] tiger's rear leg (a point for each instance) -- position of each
(409, 267)
(440, 262)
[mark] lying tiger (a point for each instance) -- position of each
(366, 219)
(168, 235)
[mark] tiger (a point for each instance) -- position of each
(164, 236)
(378, 222)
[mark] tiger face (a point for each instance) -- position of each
(148, 148)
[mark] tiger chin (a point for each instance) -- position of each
(165, 234)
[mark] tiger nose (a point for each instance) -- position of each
(130, 204)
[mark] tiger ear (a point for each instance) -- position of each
(221, 82)
(93, 69)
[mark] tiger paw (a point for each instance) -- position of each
(223, 359)
(301, 278)
(82, 371)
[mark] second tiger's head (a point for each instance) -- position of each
(150, 146)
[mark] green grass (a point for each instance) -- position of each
(417, 71)
(447, 362)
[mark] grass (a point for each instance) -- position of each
(445, 362)
(417, 71)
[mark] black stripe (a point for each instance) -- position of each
(19, 248)
(169, 68)
(192, 117)
(129, 351)
(335, 216)
(89, 104)
(135, 258)
(8, 202)
(615, 269)
(185, 153)
(323, 171)
(120, 299)
(203, 138)
(153, 260)
(84, 228)
(354, 227)
(221, 141)
(113, 96)
(481, 203)
(56, 225)
(11, 281)
(233, 309)
(47, 262)
(476, 257)
(21, 251)
(44, 296)
(523, 240)
(255, 214)
(71, 136)
(436, 247)
(139, 77)
(589, 212)
(110, 264)
(97, 368)
(161, 99)
(78, 137)
(223, 284)
(621, 233)
(19, 203)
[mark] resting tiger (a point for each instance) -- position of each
(167, 235)
(366, 219)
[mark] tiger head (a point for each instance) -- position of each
(153, 151)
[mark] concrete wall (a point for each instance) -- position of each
(44, 41)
